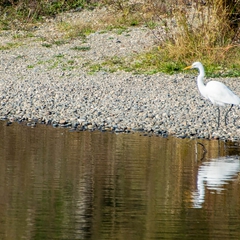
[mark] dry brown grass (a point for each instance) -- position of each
(193, 31)
(99, 20)
(199, 32)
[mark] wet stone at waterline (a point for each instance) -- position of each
(118, 101)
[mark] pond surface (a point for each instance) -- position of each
(56, 184)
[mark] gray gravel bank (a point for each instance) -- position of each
(50, 85)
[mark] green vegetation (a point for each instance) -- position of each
(145, 63)
(185, 33)
(30, 66)
(58, 61)
(204, 33)
(74, 30)
(81, 48)
(47, 45)
(9, 46)
(30, 10)
(208, 33)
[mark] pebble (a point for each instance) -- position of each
(61, 96)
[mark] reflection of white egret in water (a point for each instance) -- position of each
(213, 175)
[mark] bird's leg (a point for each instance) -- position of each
(218, 117)
(227, 114)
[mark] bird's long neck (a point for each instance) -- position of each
(201, 86)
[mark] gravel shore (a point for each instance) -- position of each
(50, 84)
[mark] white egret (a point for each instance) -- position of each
(218, 93)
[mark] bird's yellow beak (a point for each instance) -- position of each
(189, 67)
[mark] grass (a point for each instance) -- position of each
(184, 34)
(204, 34)
(77, 29)
(201, 33)
(29, 11)
(106, 22)
(92, 68)
(47, 45)
(144, 63)
(22, 36)
(81, 48)
(30, 66)
(157, 60)
(57, 61)
(10, 45)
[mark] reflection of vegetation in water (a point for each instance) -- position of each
(49, 215)
(103, 185)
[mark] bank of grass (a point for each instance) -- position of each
(27, 11)
(156, 60)
(103, 21)
(208, 33)
(186, 33)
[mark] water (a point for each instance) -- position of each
(56, 184)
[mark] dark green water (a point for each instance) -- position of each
(55, 184)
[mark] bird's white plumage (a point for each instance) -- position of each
(216, 92)
(220, 94)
